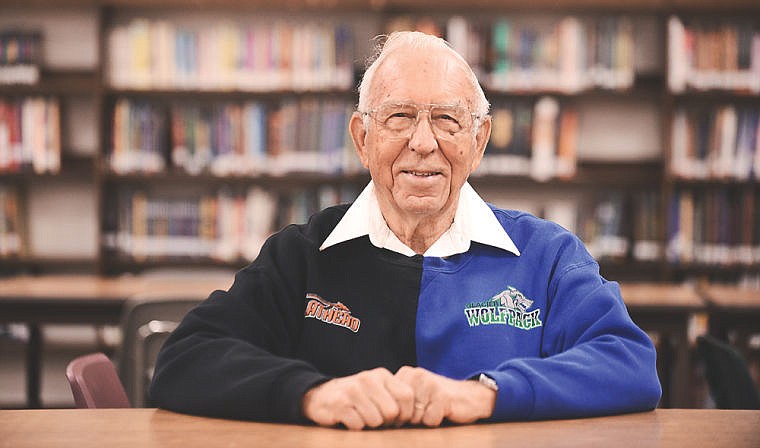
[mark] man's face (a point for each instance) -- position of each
(420, 176)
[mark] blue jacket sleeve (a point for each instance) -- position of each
(594, 360)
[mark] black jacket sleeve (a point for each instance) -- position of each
(232, 355)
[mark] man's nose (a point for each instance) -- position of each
(423, 139)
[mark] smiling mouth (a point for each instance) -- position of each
(421, 173)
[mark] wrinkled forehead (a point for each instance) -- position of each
(423, 76)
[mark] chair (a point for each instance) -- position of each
(95, 383)
(146, 321)
(727, 375)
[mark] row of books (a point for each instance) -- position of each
(284, 55)
(714, 54)
(232, 224)
(20, 53)
(570, 55)
(228, 225)
(30, 135)
(617, 226)
(716, 227)
(538, 138)
(749, 281)
(720, 142)
(311, 135)
(233, 138)
(614, 225)
(10, 222)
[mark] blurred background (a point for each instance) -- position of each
(143, 139)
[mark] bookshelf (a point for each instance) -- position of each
(713, 166)
(186, 118)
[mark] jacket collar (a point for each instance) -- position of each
(474, 221)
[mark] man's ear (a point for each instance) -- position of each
(359, 136)
(481, 140)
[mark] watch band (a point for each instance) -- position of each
(488, 382)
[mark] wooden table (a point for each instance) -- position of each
(667, 310)
(81, 299)
(149, 428)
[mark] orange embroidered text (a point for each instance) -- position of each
(334, 313)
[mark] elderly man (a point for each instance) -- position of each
(419, 303)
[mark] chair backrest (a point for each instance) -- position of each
(145, 322)
(95, 383)
(727, 375)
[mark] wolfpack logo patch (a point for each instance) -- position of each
(334, 313)
(509, 307)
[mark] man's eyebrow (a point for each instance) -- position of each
(438, 103)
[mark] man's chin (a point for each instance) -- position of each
(422, 205)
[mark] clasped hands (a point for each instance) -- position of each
(378, 398)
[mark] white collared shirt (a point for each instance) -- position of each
(473, 221)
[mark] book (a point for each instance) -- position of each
(20, 56)
(544, 139)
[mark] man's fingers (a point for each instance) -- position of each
(388, 396)
(403, 397)
(377, 398)
(433, 415)
(418, 413)
(369, 411)
(351, 419)
(419, 380)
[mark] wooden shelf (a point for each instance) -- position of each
(731, 297)
(661, 296)
(710, 273)
(628, 270)
(71, 82)
(713, 183)
(589, 174)
(647, 86)
(118, 264)
(34, 265)
(542, 6)
(72, 167)
(234, 95)
(711, 6)
(259, 5)
(712, 96)
(286, 179)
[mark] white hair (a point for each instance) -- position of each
(420, 41)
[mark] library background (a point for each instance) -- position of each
(141, 139)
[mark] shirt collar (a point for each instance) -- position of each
(474, 221)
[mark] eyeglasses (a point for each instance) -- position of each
(399, 120)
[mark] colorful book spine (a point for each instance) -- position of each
(11, 223)
(602, 226)
(20, 55)
(30, 135)
(138, 138)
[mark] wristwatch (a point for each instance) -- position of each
(488, 382)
